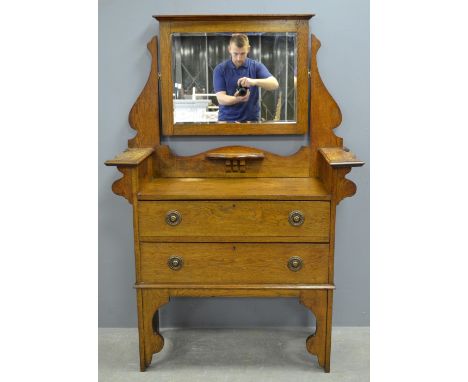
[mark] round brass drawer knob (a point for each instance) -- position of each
(175, 262)
(295, 263)
(173, 217)
(296, 218)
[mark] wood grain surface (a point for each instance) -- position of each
(130, 157)
(325, 114)
(166, 164)
(235, 218)
(317, 302)
(234, 189)
(234, 17)
(339, 157)
(144, 115)
(211, 263)
(235, 152)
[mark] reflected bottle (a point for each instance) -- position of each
(177, 87)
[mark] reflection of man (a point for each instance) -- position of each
(243, 71)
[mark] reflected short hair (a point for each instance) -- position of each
(240, 40)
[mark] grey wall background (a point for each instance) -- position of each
(125, 27)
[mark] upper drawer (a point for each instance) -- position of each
(203, 220)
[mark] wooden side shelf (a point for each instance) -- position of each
(235, 152)
(340, 157)
(130, 157)
(235, 156)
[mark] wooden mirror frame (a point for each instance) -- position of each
(298, 24)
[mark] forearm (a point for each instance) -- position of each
(269, 83)
(227, 100)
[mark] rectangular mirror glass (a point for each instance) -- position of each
(209, 69)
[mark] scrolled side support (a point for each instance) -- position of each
(151, 341)
(123, 186)
(333, 165)
(144, 115)
(136, 166)
(319, 302)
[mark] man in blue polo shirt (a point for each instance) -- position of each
(243, 71)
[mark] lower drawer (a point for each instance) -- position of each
(249, 263)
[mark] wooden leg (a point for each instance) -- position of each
(329, 329)
(149, 302)
(319, 343)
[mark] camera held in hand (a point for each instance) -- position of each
(241, 91)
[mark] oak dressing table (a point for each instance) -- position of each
(234, 221)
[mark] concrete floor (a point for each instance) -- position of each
(218, 355)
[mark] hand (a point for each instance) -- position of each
(246, 82)
(242, 98)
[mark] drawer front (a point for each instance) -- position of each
(223, 263)
(236, 218)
